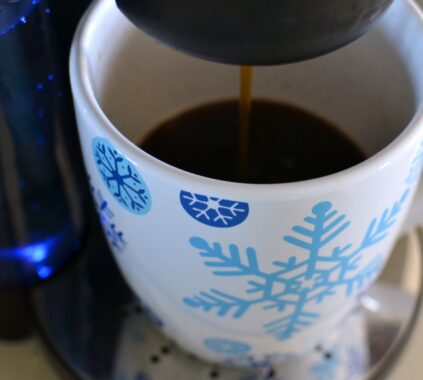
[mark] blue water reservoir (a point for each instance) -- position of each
(41, 188)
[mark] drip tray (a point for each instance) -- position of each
(89, 318)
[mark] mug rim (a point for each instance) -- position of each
(83, 92)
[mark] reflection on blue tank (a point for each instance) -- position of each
(23, 264)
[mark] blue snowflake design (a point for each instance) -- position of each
(326, 369)
(213, 211)
(226, 346)
(113, 234)
(121, 177)
(254, 362)
(295, 284)
(416, 166)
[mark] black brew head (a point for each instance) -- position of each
(253, 31)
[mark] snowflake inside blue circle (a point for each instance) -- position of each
(121, 177)
(226, 346)
(213, 211)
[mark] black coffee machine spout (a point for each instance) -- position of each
(255, 32)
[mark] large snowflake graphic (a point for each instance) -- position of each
(214, 211)
(295, 285)
(121, 177)
(106, 215)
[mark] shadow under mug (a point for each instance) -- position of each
(245, 274)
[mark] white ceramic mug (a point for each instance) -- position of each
(245, 274)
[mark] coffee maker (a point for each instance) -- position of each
(253, 32)
(127, 323)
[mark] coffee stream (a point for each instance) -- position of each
(246, 77)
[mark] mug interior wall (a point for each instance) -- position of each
(365, 88)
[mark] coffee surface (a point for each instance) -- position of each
(286, 144)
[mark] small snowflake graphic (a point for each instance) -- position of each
(106, 215)
(213, 211)
(226, 346)
(121, 177)
(326, 369)
(114, 236)
(295, 285)
(254, 362)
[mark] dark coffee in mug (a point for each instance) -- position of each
(285, 143)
